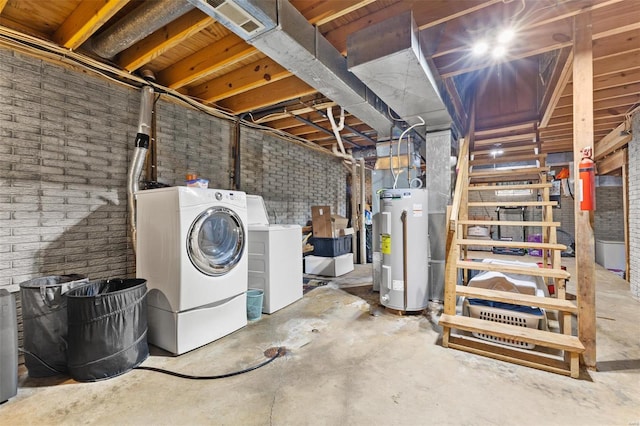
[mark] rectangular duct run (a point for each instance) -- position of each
(289, 39)
(389, 59)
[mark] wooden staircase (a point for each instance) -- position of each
(555, 350)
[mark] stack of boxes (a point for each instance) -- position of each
(331, 244)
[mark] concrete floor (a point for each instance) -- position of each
(351, 363)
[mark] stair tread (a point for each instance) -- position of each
(517, 298)
(509, 187)
(507, 159)
(529, 335)
(508, 223)
(506, 178)
(511, 244)
(507, 171)
(511, 203)
(539, 272)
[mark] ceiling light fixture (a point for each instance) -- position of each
(480, 48)
(496, 43)
(499, 52)
(506, 35)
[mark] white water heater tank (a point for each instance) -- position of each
(404, 243)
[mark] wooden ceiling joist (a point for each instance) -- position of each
(322, 12)
(427, 14)
(86, 19)
(164, 39)
(601, 95)
(226, 51)
(559, 80)
(620, 105)
(612, 163)
(270, 94)
(241, 80)
(615, 140)
(543, 38)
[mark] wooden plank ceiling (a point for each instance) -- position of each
(523, 99)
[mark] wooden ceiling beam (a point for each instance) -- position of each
(164, 39)
(224, 52)
(426, 13)
(613, 45)
(3, 3)
(625, 61)
(614, 104)
(611, 80)
(238, 81)
(19, 26)
(557, 83)
(601, 95)
(568, 120)
(269, 94)
(615, 140)
(319, 13)
(85, 20)
(612, 163)
(536, 39)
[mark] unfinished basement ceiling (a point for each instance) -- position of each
(524, 99)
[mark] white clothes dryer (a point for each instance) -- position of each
(275, 258)
(192, 250)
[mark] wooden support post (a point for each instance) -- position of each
(583, 137)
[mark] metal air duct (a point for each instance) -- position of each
(133, 27)
(388, 57)
(283, 34)
(139, 154)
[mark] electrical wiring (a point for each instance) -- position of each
(42, 48)
(279, 353)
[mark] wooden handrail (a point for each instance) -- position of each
(462, 177)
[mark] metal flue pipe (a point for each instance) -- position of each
(139, 154)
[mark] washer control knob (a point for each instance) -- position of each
(218, 196)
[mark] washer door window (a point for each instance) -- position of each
(216, 241)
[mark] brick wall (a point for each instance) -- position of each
(291, 178)
(609, 215)
(66, 142)
(65, 138)
(634, 207)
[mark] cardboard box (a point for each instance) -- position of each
(325, 224)
(328, 266)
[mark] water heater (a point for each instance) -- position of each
(404, 243)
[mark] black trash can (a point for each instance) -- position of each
(44, 322)
(107, 328)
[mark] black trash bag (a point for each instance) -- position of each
(44, 322)
(107, 328)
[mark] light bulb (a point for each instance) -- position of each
(506, 35)
(499, 52)
(480, 48)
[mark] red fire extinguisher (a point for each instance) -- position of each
(587, 181)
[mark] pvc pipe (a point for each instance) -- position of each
(336, 128)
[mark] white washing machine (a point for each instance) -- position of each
(275, 258)
(192, 250)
